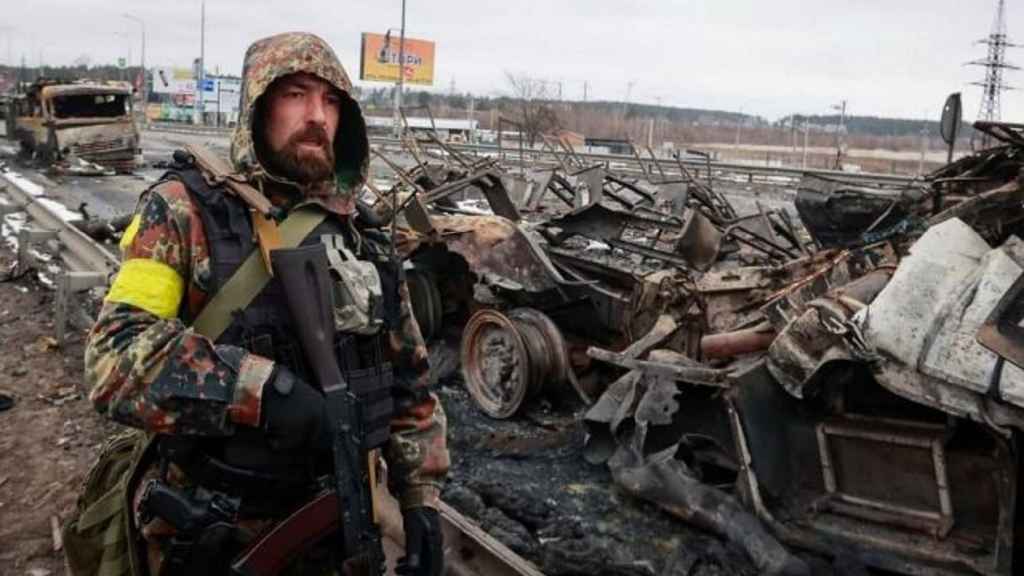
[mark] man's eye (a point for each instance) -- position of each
(293, 94)
(334, 99)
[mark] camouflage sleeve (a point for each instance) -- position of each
(417, 453)
(145, 367)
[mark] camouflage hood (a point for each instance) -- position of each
(271, 58)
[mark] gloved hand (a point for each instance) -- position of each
(294, 415)
(424, 550)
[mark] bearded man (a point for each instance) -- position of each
(231, 401)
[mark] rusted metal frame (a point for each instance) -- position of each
(491, 187)
(722, 204)
(664, 177)
(558, 158)
(705, 195)
(415, 212)
(643, 167)
(413, 146)
(632, 188)
(737, 226)
(449, 188)
(405, 121)
(707, 163)
(571, 153)
(690, 374)
(614, 196)
(381, 196)
(788, 225)
(619, 223)
(888, 554)
(1007, 132)
(661, 229)
(465, 161)
(560, 188)
(522, 159)
(940, 523)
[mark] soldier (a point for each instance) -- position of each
(236, 414)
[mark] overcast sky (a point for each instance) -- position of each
(896, 58)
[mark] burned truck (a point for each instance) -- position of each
(57, 122)
(848, 384)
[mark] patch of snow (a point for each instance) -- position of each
(28, 186)
(59, 209)
(472, 207)
(9, 228)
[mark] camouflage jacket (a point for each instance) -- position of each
(148, 369)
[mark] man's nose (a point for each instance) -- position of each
(316, 111)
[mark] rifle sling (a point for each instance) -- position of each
(250, 278)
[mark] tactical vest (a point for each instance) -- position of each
(265, 326)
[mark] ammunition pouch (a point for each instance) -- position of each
(100, 537)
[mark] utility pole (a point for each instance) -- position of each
(142, 65)
(584, 90)
(994, 64)
(401, 76)
(200, 106)
(840, 132)
(924, 144)
(807, 126)
(739, 128)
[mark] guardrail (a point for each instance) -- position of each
(87, 264)
(719, 170)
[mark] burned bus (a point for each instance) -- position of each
(92, 121)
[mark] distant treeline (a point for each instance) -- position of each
(381, 97)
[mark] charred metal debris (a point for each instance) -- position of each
(814, 382)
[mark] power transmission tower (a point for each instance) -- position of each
(994, 64)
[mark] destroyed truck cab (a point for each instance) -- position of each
(92, 121)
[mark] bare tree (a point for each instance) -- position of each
(533, 106)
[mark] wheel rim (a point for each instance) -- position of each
(495, 363)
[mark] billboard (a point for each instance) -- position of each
(378, 59)
(167, 80)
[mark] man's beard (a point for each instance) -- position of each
(302, 165)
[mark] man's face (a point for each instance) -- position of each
(302, 113)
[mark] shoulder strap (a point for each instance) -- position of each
(252, 275)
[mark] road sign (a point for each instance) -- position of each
(122, 62)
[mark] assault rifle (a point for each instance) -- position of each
(304, 274)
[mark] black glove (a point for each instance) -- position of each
(424, 554)
(294, 415)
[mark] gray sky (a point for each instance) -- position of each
(896, 58)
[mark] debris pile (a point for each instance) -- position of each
(816, 385)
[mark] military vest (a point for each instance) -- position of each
(265, 327)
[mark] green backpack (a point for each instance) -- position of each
(96, 537)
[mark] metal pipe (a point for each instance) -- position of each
(738, 343)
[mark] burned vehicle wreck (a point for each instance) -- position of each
(849, 384)
(58, 121)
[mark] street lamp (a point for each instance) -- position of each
(142, 64)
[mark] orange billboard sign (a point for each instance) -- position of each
(380, 54)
